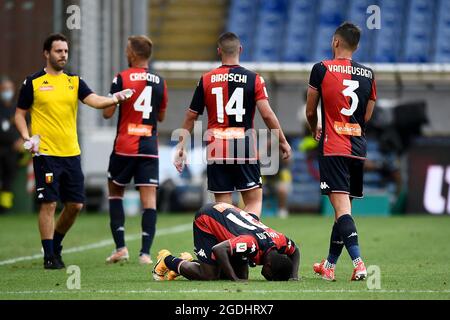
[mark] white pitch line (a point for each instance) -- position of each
(103, 243)
(214, 291)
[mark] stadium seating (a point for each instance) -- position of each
(442, 44)
(242, 17)
(271, 24)
(331, 13)
(299, 39)
(418, 40)
(357, 13)
(413, 31)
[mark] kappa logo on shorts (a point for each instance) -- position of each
(48, 178)
(324, 185)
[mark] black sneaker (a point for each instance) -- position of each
(58, 256)
(52, 263)
(60, 261)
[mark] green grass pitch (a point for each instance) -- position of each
(412, 254)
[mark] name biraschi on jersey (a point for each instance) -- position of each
(145, 76)
(358, 71)
(230, 77)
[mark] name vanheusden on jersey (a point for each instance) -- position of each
(358, 71)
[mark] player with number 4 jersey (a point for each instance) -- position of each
(231, 94)
(135, 153)
(347, 91)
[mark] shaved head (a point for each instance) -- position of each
(229, 44)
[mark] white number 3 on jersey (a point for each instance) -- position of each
(144, 103)
(352, 85)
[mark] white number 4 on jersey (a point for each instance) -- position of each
(144, 103)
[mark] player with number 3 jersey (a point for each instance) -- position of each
(135, 153)
(347, 91)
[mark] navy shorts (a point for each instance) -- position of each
(341, 174)
(203, 244)
(59, 178)
(144, 170)
(223, 178)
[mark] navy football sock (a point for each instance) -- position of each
(336, 245)
(347, 230)
(57, 239)
(117, 222)
(172, 263)
(47, 245)
(148, 229)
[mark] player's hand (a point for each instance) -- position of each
(286, 150)
(122, 96)
(317, 133)
(32, 145)
(180, 159)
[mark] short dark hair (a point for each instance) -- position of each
(350, 33)
(142, 46)
(48, 43)
(229, 43)
(281, 266)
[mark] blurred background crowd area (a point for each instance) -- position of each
(408, 165)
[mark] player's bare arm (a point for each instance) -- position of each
(271, 121)
(188, 126)
(222, 253)
(109, 112)
(241, 270)
(99, 102)
(369, 110)
(312, 101)
(295, 258)
(21, 123)
(161, 115)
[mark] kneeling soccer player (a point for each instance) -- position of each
(225, 239)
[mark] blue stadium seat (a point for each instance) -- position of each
(331, 14)
(442, 43)
(357, 14)
(300, 30)
(270, 30)
(242, 21)
(299, 36)
(387, 40)
(419, 31)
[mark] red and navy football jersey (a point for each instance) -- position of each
(248, 237)
(229, 94)
(345, 88)
(137, 128)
